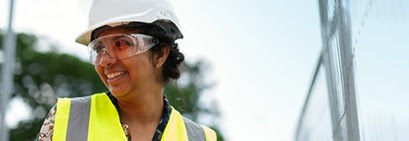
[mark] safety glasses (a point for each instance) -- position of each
(120, 46)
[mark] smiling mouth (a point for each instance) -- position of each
(115, 74)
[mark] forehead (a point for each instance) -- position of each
(117, 30)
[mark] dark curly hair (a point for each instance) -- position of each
(171, 66)
(175, 58)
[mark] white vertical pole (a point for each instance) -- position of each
(7, 74)
(348, 74)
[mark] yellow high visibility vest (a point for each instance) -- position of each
(95, 118)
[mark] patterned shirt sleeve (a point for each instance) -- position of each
(46, 132)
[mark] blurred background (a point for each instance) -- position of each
(255, 70)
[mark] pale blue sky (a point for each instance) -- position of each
(382, 66)
(262, 54)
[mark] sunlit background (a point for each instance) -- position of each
(261, 56)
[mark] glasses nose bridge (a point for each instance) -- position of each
(108, 48)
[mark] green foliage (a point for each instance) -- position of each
(41, 77)
(184, 94)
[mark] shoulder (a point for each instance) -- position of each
(47, 128)
(195, 129)
(83, 100)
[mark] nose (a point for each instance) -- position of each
(107, 59)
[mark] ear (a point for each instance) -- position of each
(161, 57)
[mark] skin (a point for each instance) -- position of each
(139, 90)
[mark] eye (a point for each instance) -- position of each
(98, 48)
(122, 44)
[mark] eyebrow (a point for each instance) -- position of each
(116, 37)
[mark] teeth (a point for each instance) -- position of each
(115, 74)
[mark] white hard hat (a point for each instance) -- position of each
(121, 12)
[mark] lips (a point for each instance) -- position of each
(114, 74)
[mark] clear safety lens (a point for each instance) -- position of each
(120, 46)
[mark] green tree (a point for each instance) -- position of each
(185, 93)
(41, 77)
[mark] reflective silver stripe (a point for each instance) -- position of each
(194, 131)
(79, 119)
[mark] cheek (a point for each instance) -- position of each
(101, 74)
(140, 68)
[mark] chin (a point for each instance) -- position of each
(118, 92)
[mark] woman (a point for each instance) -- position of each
(132, 46)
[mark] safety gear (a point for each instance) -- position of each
(95, 118)
(116, 13)
(120, 46)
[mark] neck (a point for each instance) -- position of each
(143, 108)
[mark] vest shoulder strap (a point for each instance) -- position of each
(194, 131)
(72, 118)
(198, 132)
(210, 134)
(183, 129)
(92, 118)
